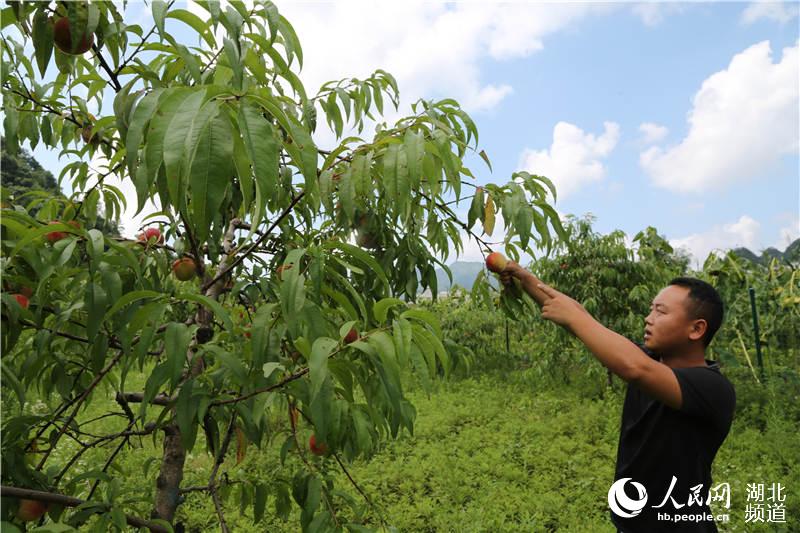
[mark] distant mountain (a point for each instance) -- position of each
(745, 253)
(791, 254)
(22, 176)
(464, 274)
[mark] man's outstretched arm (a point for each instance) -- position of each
(614, 351)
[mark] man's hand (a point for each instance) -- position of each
(511, 271)
(560, 308)
(527, 281)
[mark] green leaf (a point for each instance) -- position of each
(34, 234)
(177, 149)
(389, 370)
(261, 332)
(318, 363)
(185, 411)
(159, 12)
(98, 353)
(326, 189)
(241, 162)
(541, 227)
(434, 342)
(345, 98)
(220, 312)
(548, 183)
(128, 255)
(42, 34)
(231, 363)
(421, 367)
(95, 302)
(158, 377)
(523, 222)
(168, 105)
(414, 144)
(362, 182)
(259, 502)
(476, 208)
(303, 152)
(293, 297)
(8, 16)
(395, 176)
(128, 299)
(488, 216)
(270, 368)
(189, 18)
(555, 219)
(262, 147)
(342, 300)
(360, 255)
(176, 343)
(381, 308)
(291, 41)
(425, 317)
(234, 61)
(347, 193)
(210, 163)
(95, 243)
(333, 114)
(402, 336)
(10, 124)
(141, 116)
(10, 379)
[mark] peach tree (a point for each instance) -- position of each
(270, 299)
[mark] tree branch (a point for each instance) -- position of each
(111, 74)
(253, 246)
(79, 402)
(138, 397)
(69, 501)
(139, 46)
(212, 483)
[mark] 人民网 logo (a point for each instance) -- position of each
(622, 505)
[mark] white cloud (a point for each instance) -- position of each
(575, 157)
(781, 12)
(652, 132)
(788, 233)
(652, 13)
(432, 48)
(743, 120)
(743, 232)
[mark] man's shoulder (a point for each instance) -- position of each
(709, 370)
(705, 389)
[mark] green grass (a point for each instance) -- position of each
(492, 452)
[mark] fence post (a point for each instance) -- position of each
(756, 331)
(508, 343)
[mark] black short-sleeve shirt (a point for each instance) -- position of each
(658, 443)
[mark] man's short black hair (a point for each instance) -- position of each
(705, 303)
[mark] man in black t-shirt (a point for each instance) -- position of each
(678, 406)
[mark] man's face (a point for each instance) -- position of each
(669, 327)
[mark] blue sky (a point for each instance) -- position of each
(616, 68)
(565, 89)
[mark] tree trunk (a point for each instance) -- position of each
(171, 474)
(169, 479)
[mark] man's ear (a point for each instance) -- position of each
(698, 329)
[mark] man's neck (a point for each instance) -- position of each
(692, 356)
